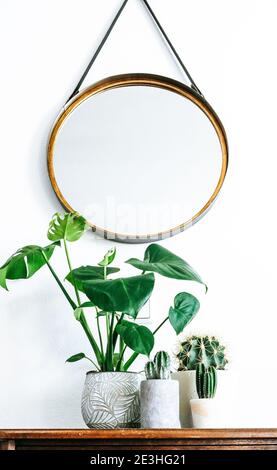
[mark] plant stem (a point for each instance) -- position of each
(112, 332)
(83, 321)
(130, 361)
(109, 352)
(74, 306)
(91, 339)
(115, 336)
(107, 317)
(67, 296)
(121, 344)
(70, 269)
(82, 318)
(107, 324)
(99, 332)
(135, 355)
(160, 325)
(118, 365)
(95, 365)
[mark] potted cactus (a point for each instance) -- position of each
(194, 350)
(159, 395)
(204, 409)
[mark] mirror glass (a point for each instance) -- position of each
(137, 160)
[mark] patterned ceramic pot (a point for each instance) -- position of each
(111, 400)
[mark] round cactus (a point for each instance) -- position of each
(205, 350)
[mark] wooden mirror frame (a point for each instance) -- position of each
(140, 79)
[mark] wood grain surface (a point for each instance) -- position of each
(138, 439)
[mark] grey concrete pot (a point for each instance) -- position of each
(111, 400)
(159, 404)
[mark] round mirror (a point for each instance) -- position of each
(141, 157)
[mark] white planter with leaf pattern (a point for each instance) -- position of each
(111, 400)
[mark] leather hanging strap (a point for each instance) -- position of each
(102, 43)
(172, 48)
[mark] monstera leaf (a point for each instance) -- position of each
(126, 295)
(162, 261)
(25, 262)
(185, 308)
(69, 227)
(88, 273)
(108, 258)
(137, 337)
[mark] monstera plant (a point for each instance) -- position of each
(117, 301)
(105, 306)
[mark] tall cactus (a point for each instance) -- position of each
(159, 368)
(206, 381)
(205, 350)
(162, 364)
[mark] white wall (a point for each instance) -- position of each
(230, 49)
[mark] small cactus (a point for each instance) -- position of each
(150, 370)
(159, 368)
(206, 381)
(205, 350)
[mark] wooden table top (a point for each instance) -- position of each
(188, 433)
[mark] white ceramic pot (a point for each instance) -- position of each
(111, 400)
(159, 404)
(207, 413)
(225, 392)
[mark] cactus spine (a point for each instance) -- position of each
(159, 368)
(206, 381)
(205, 350)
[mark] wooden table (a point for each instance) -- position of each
(138, 439)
